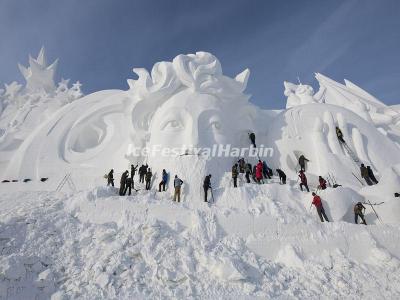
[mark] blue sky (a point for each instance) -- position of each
(99, 42)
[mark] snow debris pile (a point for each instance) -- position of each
(72, 237)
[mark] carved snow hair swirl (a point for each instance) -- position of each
(201, 72)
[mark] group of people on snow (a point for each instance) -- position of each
(258, 172)
(127, 182)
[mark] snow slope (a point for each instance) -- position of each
(265, 241)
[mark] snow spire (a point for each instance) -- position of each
(38, 75)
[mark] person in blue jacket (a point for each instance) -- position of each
(164, 180)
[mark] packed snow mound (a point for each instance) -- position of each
(256, 240)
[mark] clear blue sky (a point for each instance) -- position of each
(99, 42)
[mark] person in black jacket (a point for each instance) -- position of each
(371, 175)
(142, 173)
(128, 186)
(133, 171)
(148, 179)
(248, 172)
(252, 138)
(206, 186)
(302, 162)
(110, 178)
(124, 176)
(282, 176)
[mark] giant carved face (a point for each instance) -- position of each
(194, 119)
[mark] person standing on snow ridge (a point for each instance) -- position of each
(339, 135)
(242, 165)
(235, 174)
(320, 209)
(164, 180)
(302, 162)
(177, 185)
(142, 173)
(282, 176)
(248, 172)
(364, 174)
(252, 138)
(371, 175)
(206, 186)
(259, 169)
(128, 185)
(303, 181)
(322, 183)
(358, 212)
(123, 182)
(148, 179)
(110, 178)
(265, 170)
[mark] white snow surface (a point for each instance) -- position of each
(255, 241)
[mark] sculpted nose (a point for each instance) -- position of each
(194, 135)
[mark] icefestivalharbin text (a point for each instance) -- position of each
(217, 150)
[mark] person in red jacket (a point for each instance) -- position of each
(259, 169)
(318, 205)
(303, 181)
(322, 183)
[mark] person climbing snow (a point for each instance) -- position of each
(371, 175)
(266, 171)
(303, 181)
(320, 209)
(235, 174)
(206, 186)
(282, 176)
(133, 171)
(164, 180)
(322, 183)
(128, 185)
(364, 174)
(177, 186)
(252, 138)
(148, 178)
(248, 172)
(110, 178)
(302, 162)
(339, 135)
(123, 182)
(259, 169)
(358, 212)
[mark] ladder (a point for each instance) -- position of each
(351, 153)
(66, 179)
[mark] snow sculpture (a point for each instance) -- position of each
(357, 100)
(298, 94)
(38, 75)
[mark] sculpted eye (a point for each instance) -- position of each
(215, 125)
(172, 124)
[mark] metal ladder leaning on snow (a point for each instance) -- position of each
(351, 153)
(66, 179)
